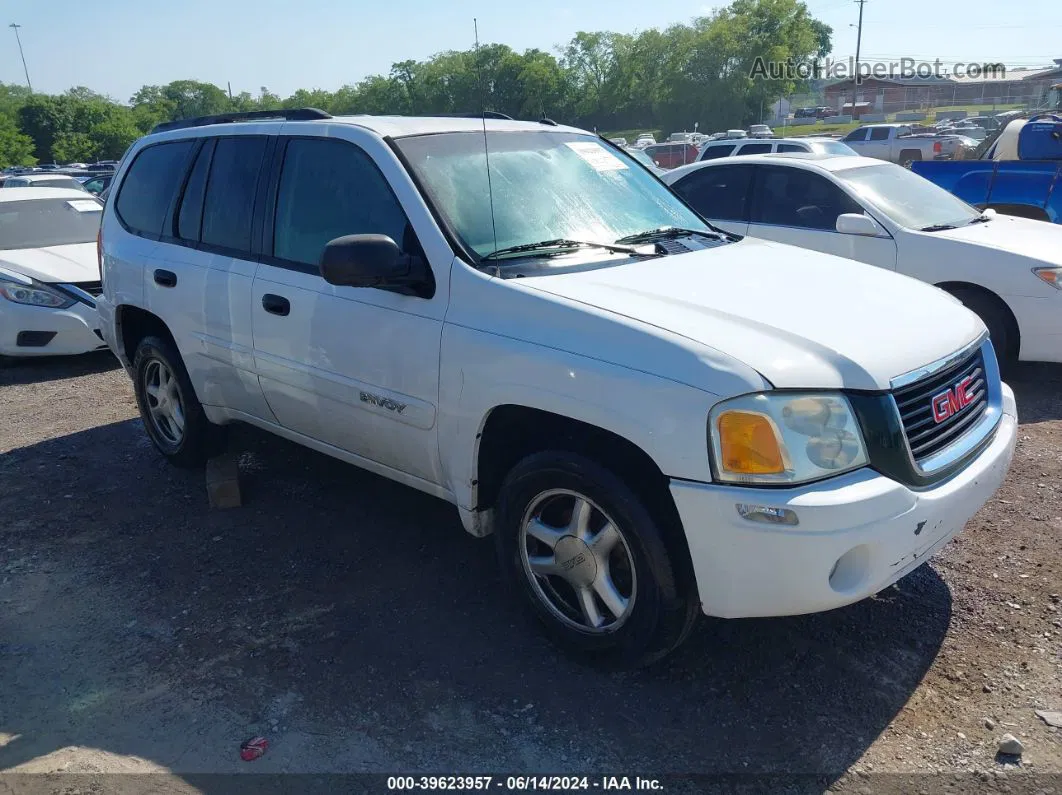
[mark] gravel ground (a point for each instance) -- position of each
(355, 625)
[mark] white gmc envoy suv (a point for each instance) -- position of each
(653, 417)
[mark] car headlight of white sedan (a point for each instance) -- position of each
(780, 438)
(35, 294)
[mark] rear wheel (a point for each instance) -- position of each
(169, 408)
(590, 562)
(908, 156)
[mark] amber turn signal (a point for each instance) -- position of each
(749, 444)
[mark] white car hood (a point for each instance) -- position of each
(76, 262)
(1024, 237)
(802, 319)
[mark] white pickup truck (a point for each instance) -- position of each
(653, 418)
(898, 144)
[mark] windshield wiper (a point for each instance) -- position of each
(563, 244)
(937, 227)
(666, 232)
(981, 219)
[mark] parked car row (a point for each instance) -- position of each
(655, 415)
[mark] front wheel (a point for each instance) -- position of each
(590, 562)
(169, 408)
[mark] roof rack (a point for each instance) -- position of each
(289, 114)
(485, 114)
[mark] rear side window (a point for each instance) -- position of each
(792, 148)
(755, 149)
(717, 192)
(231, 185)
(712, 152)
(150, 185)
(879, 133)
(329, 189)
(190, 213)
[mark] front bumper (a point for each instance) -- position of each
(1040, 324)
(857, 533)
(75, 330)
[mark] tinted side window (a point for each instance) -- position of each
(754, 149)
(857, 135)
(329, 189)
(229, 202)
(792, 148)
(794, 197)
(879, 133)
(712, 152)
(190, 213)
(150, 184)
(717, 192)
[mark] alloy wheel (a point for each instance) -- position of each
(577, 561)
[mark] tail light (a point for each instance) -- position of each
(938, 147)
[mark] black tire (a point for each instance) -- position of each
(663, 609)
(908, 156)
(199, 439)
(1001, 329)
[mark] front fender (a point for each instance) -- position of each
(481, 371)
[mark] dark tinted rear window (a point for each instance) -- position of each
(712, 152)
(754, 149)
(190, 213)
(231, 186)
(792, 148)
(150, 184)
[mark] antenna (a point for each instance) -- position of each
(486, 149)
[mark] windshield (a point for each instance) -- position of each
(908, 199)
(641, 157)
(832, 148)
(39, 223)
(546, 186)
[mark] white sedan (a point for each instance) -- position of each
(1006, 269)
(49, 272)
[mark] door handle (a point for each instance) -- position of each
(165, 278)
(276, 304)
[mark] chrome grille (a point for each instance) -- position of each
(926, 436)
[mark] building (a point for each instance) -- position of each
(894, 93)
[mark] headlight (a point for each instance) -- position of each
(784, 437)
(35, 294)
(1052, 276)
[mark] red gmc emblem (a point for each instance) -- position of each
(954, 400)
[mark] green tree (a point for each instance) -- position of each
(75, 147)
(16, 148)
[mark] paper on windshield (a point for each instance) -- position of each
(85, 205)
(597, 156)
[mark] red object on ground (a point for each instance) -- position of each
(253, 748)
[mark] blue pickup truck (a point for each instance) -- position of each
(1030, 188)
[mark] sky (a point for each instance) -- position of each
(116, 46)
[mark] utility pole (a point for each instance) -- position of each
(859, 41)
(26, 68)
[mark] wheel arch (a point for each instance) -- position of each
(1030, 211)
(1008, 315)
(510, 432)
(133, 324)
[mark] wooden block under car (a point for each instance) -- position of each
(223, 481)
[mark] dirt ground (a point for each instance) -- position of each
(354, 624)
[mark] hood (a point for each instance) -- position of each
(800, 318)
(1022, 237)
(76, 262)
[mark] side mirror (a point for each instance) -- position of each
(857, 224)
(365, 261)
